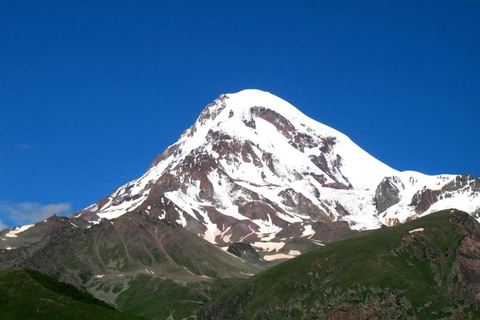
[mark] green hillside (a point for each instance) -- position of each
(425, 269)
(428, 268)
(27, 294)
(137, 263)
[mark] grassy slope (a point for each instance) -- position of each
(26, 294)
(157, 298)
(415, 268)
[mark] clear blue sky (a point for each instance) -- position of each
(92, 91)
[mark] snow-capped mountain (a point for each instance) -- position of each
(254, 168)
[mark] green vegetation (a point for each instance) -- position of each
(27, 294)
(64, 289)
(157, 298)
(390, 272)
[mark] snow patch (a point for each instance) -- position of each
(416, 230)
(188, 271)
(13, 233)
(277, 257)
(308, 231)
(149, 271)
(318, 242)
(269, 246)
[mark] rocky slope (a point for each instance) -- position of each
(424, 269)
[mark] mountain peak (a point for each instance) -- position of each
(253, 97)
(243, 105)
(255, 168)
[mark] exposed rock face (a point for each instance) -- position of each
(388, 193)
(423, 199)
(21, 237)
(334, 231)
(300, 204)
(469, 263)
(467, 267)
(377, 306)
(462, 182)
(244, 250)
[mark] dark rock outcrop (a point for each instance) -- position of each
(423, 199)
(244, 251)
(336, 230)
(387, 193)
